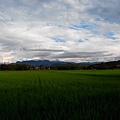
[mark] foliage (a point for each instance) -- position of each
(57, 95)
(67, 66)
(15, 67)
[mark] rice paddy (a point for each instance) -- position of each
(60, 95)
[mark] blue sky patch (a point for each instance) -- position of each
(80, 41)
(86, 25)
(110, 35)
(59, 40)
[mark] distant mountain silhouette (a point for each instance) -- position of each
(107, 65)
(42, 62)
(51, 63)
(60, 65)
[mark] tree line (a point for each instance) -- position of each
(100, 66)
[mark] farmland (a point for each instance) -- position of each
(60, 95)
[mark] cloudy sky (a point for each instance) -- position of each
(67, 30)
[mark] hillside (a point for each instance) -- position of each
(42, 62)
(106, 65)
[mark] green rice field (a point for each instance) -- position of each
(60, 95)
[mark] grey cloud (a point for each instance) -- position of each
(42, 55)
(49, 50)
(106, 9)
(34, 55)
(117, 58)
(32, 10)
(83, 54)
(8, 45)
(59, 10)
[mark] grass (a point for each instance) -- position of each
(60, 95)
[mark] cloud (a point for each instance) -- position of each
(106, 9)
(83, 54)
(48, 50)
(79, 30)
(29, 40)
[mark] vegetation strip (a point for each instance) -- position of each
(57, 95)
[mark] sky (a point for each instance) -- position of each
(65, 30)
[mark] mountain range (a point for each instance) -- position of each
(52, 63)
